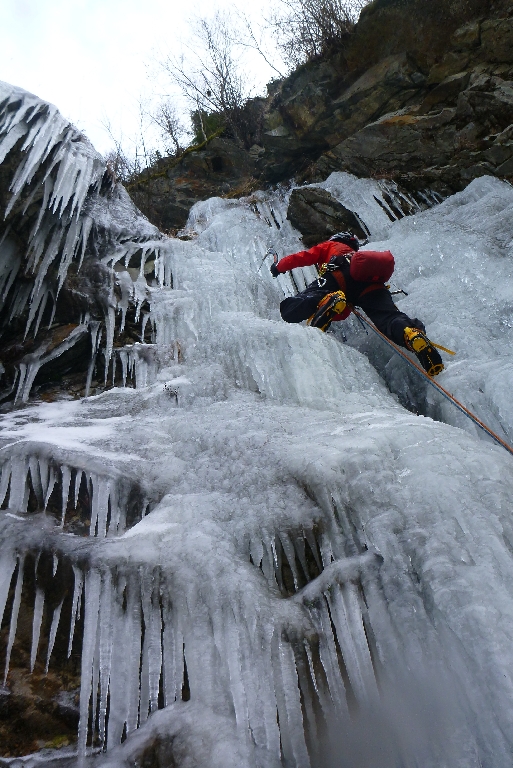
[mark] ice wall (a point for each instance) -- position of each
(258, 539)
(62, 211)
(455, 262)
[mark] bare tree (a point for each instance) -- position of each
(170, 125)
(254, 37)
(130, 157)
(306, 29)
(211, 75)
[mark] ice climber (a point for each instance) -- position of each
(351, 278)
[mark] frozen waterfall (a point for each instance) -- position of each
(257, 551)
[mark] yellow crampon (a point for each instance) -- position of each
(331, 305)
(444, 349)
(428, 357)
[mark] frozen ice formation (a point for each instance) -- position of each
(261, 557)
(69, 237)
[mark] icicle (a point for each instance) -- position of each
(288, 548)
(18, 496)
(123, 356)
(291, 719)
(146, 316)
(256, 551)
(53, 632)
(8, 141)
(75, 608)
(92, 603)
(110, 321)
(52, 477)
(113, 370)
(105, 649)
(78, 480)
(329, 657)
(264, 708)
(43, 475)
(301, 553)
(310, 538)
(319, 688)
(35, 478)
(4, 481)
(95, 331)
(14, 615)
(93, 495)
(347, 618)
(103, 505)
(36, 625)
(326, 550)
(119, 671)
(122, 493)
(10, 263)
(127, 293)
(37, 305)
(232, 656)
(20, 300)
(276, 550)
(133, 653)
(66, 480)
(96, 672)
(170, 654)
(306, 700)
(152, 648)
(7, 566)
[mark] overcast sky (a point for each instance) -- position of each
(93, 58)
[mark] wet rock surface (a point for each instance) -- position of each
(168, 191)
(318, 215)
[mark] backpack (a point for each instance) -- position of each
(371, 266)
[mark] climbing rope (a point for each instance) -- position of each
(435, 384)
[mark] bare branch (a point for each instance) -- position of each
(254, 42)
(305, 29)
(211, 76)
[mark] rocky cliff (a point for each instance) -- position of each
(421, 94)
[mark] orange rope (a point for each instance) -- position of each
(435, 384)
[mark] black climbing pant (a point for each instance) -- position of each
(377, 305)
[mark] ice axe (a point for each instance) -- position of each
(270, 252)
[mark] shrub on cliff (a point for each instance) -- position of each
(307, 29)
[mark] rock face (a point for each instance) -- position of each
(168, 191)
(318, 215)
(421, 93)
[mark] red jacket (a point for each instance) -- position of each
(319, 254)
(322, 253)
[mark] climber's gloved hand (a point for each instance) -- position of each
(274, 269)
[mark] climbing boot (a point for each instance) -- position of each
(427, 355)
(331, 305)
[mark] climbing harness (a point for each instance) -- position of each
(435, 384)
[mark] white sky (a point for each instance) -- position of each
(92, 58)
